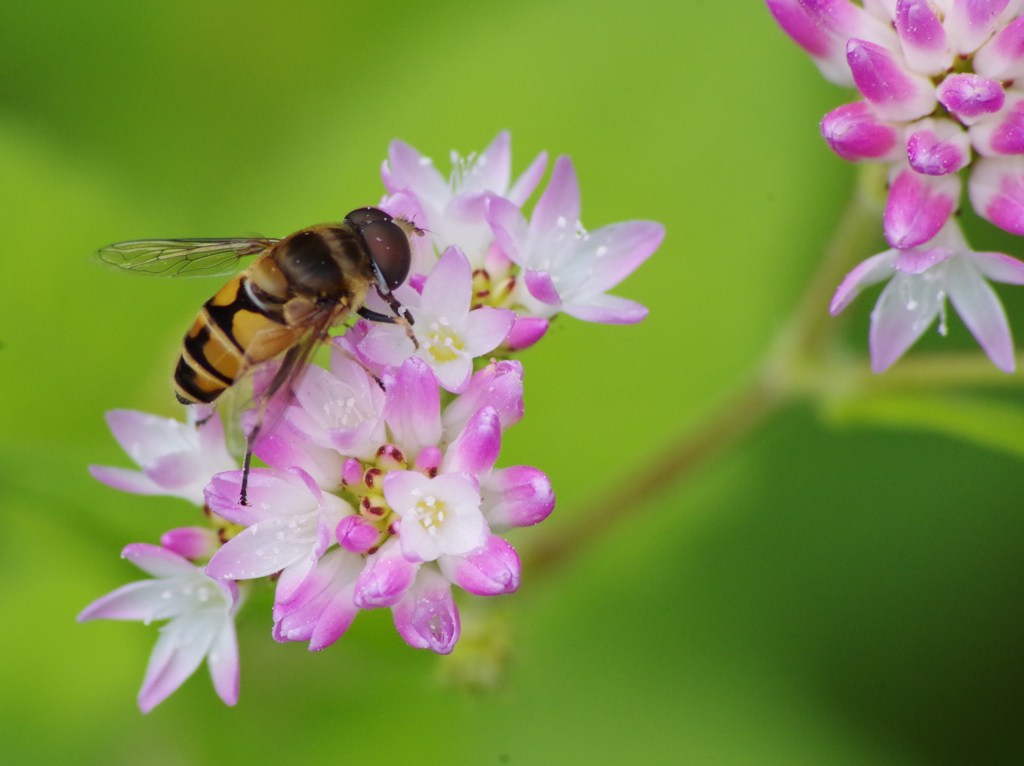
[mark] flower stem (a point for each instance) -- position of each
(791, 369)
(676, 462)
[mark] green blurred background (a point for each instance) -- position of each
(817, 595)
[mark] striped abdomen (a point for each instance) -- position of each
(231, 333)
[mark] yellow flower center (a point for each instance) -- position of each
(431, 513)
(442, 343)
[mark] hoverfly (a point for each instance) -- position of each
(283, 304)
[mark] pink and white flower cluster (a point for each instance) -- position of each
(940, 100)
(382, 485)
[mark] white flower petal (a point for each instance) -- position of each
(979, 306)
(905, 309)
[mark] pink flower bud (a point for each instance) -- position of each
(525, 332)
(922, 36)
(970, 22)
(1002, 57)
(996, 190)
(356, 534)
(476, 449)
(896, 93)
(918, 206)
(1002, 133)
(519, 496)
(498, 385)
(938, 147)
(822, 28)
(970, 97)
(352, 472)
(385, 578)
(191, 542)
(855, 133)
(489, 571)
(429, 460)
(427, 618)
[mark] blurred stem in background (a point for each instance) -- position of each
(804, 364)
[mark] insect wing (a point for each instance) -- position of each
(182, 257)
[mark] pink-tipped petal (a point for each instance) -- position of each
(322, 607)
(971, 22)
(386, 576)
(855, 134)
(615, 251)
(125, 480)
(970, 97)
(519, 496)
(476, 449)
(156, 561)
(541, 287)
(979, 307)
(996, 189)
(803, 26)
(191, 542)
(869, 272)
(1002, 57)
(525, 332)
(558, 209)
(1003, 133)
(498, 385)
(1000, 267)
(222, 661)
(918, 206)
(527, 182)
(509, 227)
(922, 37)
(895, 92)
(492, 570)
(822, 27)
(607, 309)
(413, 406)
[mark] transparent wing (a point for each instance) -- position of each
(182, 257)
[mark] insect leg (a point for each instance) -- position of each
(402, 315)
(357, 360)
(375, 316)
(291, 360)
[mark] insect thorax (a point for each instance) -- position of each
(329, 261)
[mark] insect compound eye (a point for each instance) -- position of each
(364, 215)
(389, 249)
